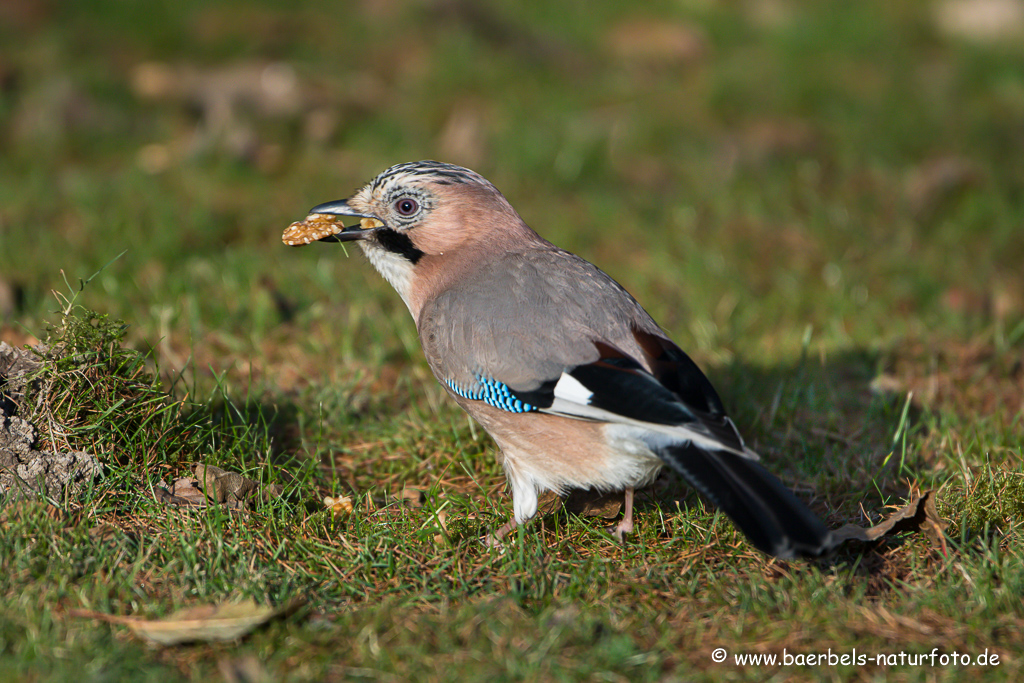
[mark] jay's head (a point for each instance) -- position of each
(425, 208)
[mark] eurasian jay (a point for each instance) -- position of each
(576, 383)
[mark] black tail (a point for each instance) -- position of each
(760, 506)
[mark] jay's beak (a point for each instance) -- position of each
(340, 207)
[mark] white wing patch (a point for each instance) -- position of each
(655, 432)
(570, 389)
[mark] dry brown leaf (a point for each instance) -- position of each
(186, 491)
(917, 515)
(657, 42)
(412, 497)
(212, 485)
(222, 486)
(223, 622)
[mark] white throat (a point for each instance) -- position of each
(395, 268)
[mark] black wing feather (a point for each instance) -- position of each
(760, 506)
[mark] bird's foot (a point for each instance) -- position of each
(620, 530)
(625, 525)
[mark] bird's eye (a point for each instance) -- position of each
(406, 206)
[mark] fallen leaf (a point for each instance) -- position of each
(655, 41)
(412, 497)
(188, 489)
(917, 515)
(222, 486)
(223, 622)
(212, 485)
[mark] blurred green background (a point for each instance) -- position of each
(746, 169)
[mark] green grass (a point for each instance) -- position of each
(817, 196)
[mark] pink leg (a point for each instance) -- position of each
(625, 525)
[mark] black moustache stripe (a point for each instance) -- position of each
(398, 243)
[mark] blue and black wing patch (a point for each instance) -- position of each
(493, 393)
